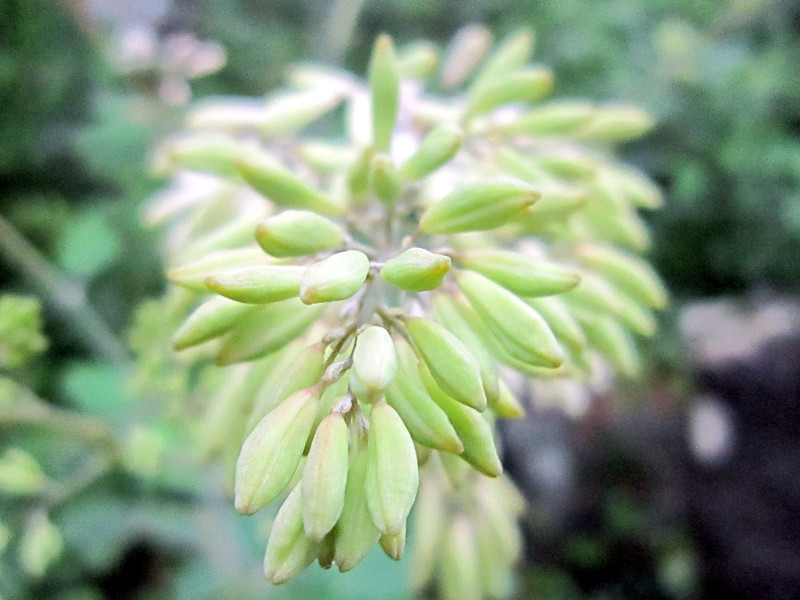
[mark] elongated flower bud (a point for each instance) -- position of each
(272, 451)
(630, 274)
(560, 320)
(384, 85)
(468, 46)
(355, 532)
(437, 148)
(447, 314)
(509, 55)
(325, 477)
(266, 329)
(418, 60)
(519, 328)
(384, 179)
(523, 86)
(416, 270)
(335, 278)
(425, 420)
(523, 275)
(289, 550)
(507, 405)
(258, 285)
(612, 341)
(374, 360)
(617, 124)
(392, 476)
(284, 188)
(475, 432)
(393, 545)
(460, 577)
(209, 320)
(480, 207)
(449, 361)
(297, 233)
(208, 153)
(297, 368)
(193, 275)
(557, 118)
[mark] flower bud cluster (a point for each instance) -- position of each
(369, 292)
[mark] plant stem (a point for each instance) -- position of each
(65, 295)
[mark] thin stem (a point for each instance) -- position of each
(65, 295)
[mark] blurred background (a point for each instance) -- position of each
(683, 485)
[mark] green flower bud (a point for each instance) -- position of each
(493, 504)
(327, 158)
(456, 469)
(335, 278)
(392, 476)
(418, 60)
(41, 545)
(295, 370)
(358, 174)
(284, 188)
(384, 81)
(384, 179)
(571, 165)
(228, 236)
(631, 275)
(518, 328)
(393, 545)
(522, 86)
(426, 422)
(374, 360)
(480, 207)
(272, 451)
(416, 270)
(211, 319)
(507, 406)
(258, 285)
(611, 340)
(289, 551)
(460, 576)
(207, 153)
(20, 473)
(596, 294)
(450, 362)
(468, 46)
(510, 55)
(556, 118)
(325, 476)
(355, 532)
(290, 112)
(475, 432)
(617, 124)
(297, 233)
(437, 148)
(266, 329)
(523, 275)
(560, 320)
(446, 313)
(430, 518)
(193, 275)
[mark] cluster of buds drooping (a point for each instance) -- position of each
(372, 292)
